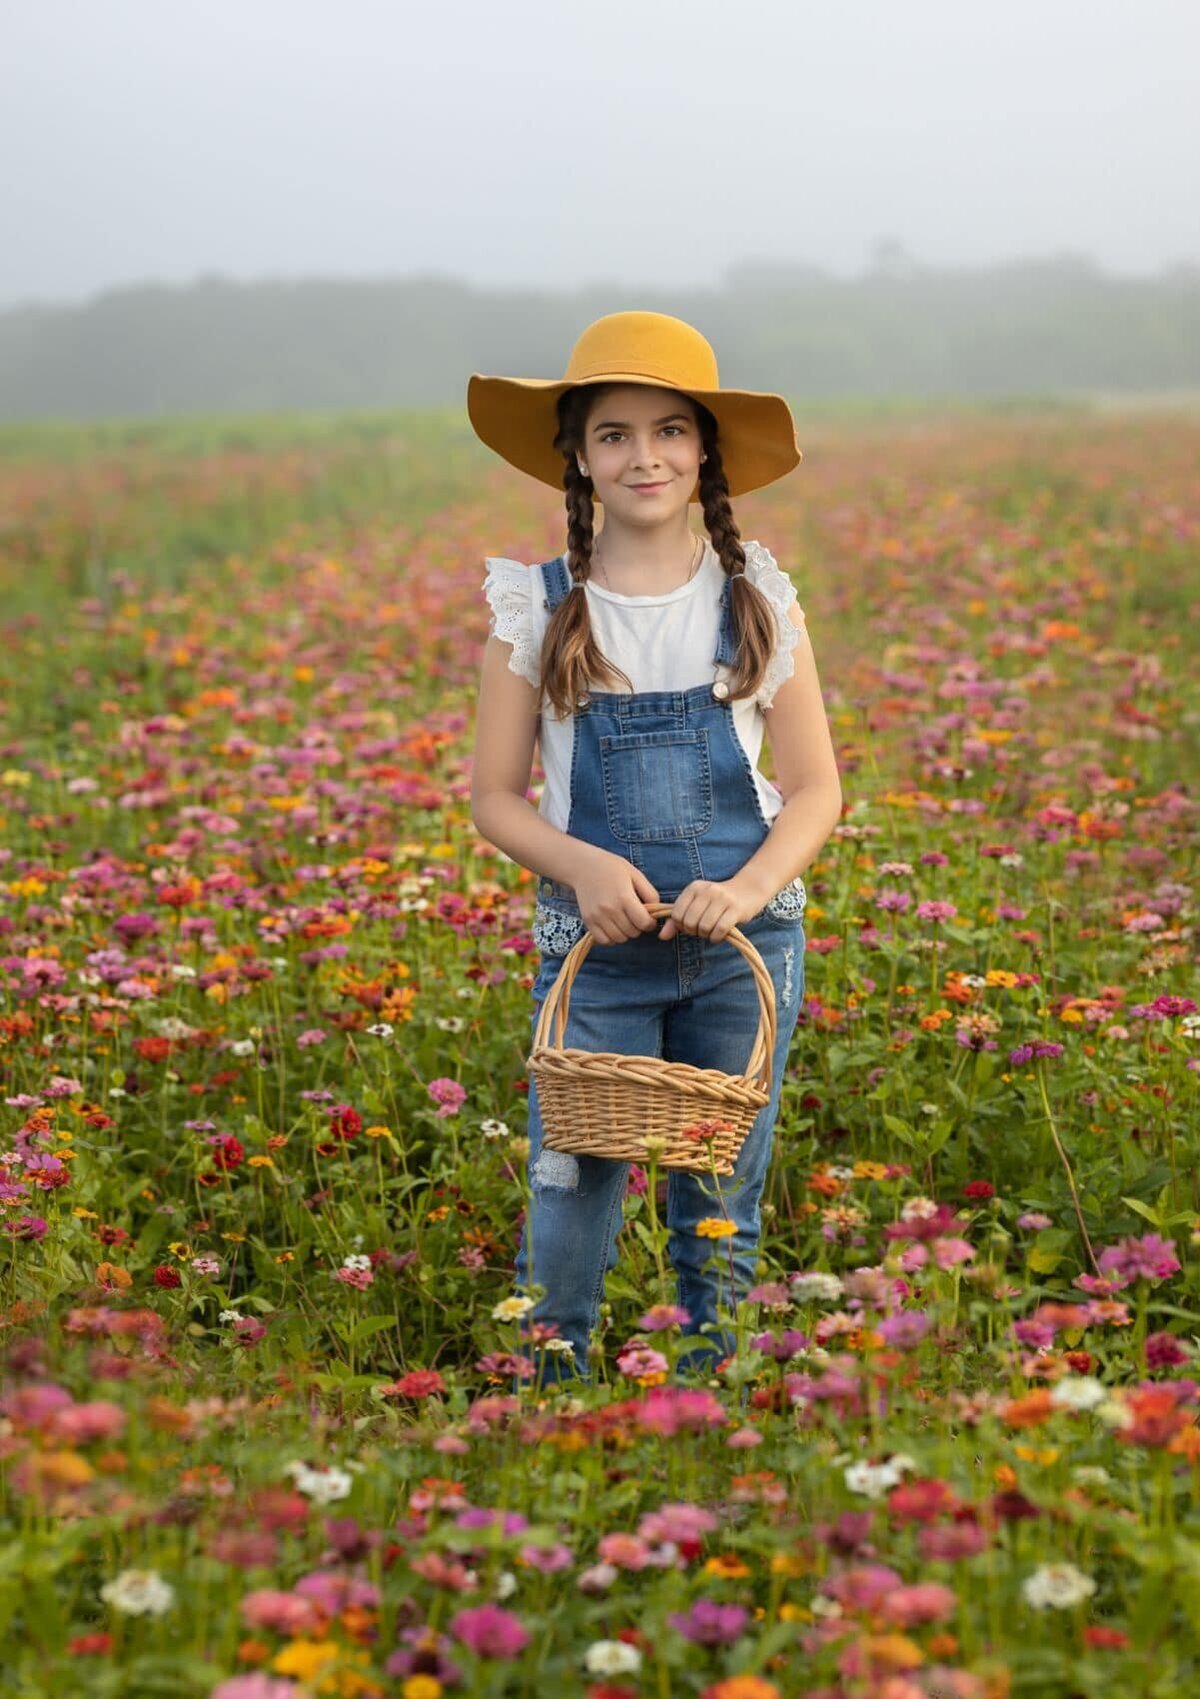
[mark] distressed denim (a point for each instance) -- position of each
(661, 778)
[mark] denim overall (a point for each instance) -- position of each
(660, 778)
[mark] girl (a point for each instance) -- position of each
(644, 661)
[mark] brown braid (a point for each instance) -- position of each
(571, 659)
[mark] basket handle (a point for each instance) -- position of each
(558, 999)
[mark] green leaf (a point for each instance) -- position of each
(372, 1324)
(1144, 1210)
(902, 1130)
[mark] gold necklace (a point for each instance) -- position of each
(696, 556)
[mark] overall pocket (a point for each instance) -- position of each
(557, 927)
(657, 785)
(786, 907)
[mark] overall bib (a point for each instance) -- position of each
(661, 779)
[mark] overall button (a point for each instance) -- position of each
(545, 887)
(583, 700)
(720, 690)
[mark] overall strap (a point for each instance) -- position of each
(557, 581)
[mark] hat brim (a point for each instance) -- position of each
(517, 419)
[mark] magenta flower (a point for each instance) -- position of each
(710, 1624)
(489, 1631)
(936, 911)
(1164, 1351)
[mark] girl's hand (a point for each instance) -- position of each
(612, 895)
(710, 908)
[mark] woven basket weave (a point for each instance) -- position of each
(599, 1103)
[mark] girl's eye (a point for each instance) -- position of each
(608, 435)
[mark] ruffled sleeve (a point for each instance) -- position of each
(777, 587)
(510, 596)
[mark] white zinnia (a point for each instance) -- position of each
(511, 1309)
(826, 1287)
(1059, 1585)
(873, 1479)
(323, 1486)
(138, 1592)
(1078, 1392)
(612, 1657)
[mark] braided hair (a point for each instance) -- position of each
(571, 659)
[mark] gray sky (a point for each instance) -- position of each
(562, 142)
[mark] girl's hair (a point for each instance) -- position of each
(571, 658)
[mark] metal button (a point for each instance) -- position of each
(545, 887)
(720, 690)
(583, 700)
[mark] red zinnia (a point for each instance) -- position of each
(167, 1277)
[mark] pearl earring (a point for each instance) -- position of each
(583, 468)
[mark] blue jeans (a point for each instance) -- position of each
(687, 1000)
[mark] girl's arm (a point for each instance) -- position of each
(797, 728)
(505, 736)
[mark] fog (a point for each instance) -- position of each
(542, 143)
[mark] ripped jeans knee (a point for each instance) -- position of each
(555, 1171)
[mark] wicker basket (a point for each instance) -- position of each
(599, 1103)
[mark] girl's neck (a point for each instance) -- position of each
(644, 563)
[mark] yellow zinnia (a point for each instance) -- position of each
(715, 1227)
(305, 1658)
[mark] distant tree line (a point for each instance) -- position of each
(1054, 327)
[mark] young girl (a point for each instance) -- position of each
(644, 662)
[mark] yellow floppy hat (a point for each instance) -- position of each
(517, 416)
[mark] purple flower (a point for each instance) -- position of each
(782, 1347)
(710, 1624)
(936, 911)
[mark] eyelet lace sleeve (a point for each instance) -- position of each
(777, 587)
(509, 593)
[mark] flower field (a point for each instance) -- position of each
(265, 1014)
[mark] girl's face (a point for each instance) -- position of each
(642, 449)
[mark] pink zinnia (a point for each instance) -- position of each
(624, 1551)
(256, 1686)
(661, 1316)
(863, 1587)
(82, 1423)
(1147, 1258)
(924, 1601)
(449, 1094)
(639, 1360)
(675, 1409)
(936, 911)
(948, 1253)
(282, 1613)
(490, 1631)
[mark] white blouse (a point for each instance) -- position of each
(664, 642)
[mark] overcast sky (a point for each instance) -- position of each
(570, 141)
